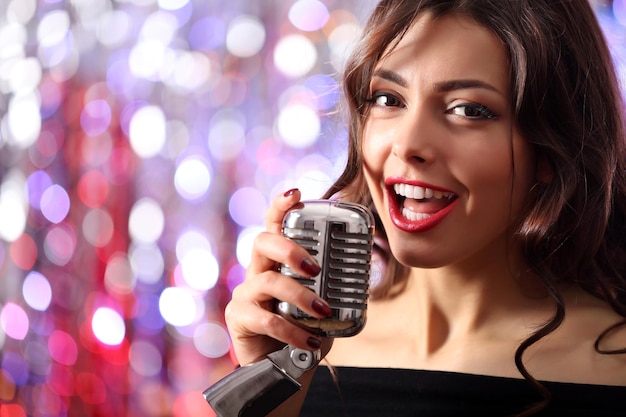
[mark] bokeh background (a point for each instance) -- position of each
(140, 144)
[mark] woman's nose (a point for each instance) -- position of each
(414, 138)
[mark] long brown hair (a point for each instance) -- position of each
(567, 103)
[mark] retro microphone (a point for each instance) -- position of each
(339, 235)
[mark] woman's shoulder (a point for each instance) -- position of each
(589, 346)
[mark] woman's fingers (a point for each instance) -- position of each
(281, 204)
(254, 325)
(270, 250)
(264, 289)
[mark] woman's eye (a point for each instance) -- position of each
(385, 100)
(472, 111)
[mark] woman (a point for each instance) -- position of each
(488, 138)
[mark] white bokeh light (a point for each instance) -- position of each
(147, 263)
(159, 26)
(147, 131)
(245, 240)
(200, 269)
(24, 120)
(53, 27)
(299, 126)
(341, 41)
(313, 175)
(12, 217)
(226, 137)
(192, 178)
(146, 221)
(177, 306)
(13, 206)
(309, 15)
(313, 184)
(37, 291)
(191, 71)
(146, 59)
(139, 2)
(25, 76)
(295, 55)
(172, 4)
(247, 206)
(245, 36)
(55, 203)
(108, 326)
(21, 11)
(211, 340)
(113, 27)
(13, 38)
(191, 240)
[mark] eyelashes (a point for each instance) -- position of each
(473, 111)
(383, 99)
(469, 109)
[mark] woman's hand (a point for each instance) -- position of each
(256, 330)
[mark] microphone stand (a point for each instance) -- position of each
(256, 389)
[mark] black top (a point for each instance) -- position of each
(380, 392)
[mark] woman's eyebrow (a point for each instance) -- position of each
(452, 85)
(391, 76)
(442, 86)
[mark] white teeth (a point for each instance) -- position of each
(418, 193)
(413, 216)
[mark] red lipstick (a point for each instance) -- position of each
(415, 226)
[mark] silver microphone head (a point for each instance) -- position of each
(339, 235)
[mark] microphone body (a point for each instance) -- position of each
(339, 235)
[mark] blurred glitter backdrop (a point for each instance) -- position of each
(140, 144)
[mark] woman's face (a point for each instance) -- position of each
(446, 166)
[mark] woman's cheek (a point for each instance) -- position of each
(376, 146)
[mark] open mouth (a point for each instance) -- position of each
(418, 203)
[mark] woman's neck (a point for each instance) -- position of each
(446, 305)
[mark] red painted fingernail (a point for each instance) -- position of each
(321, 308)
(310, 267)
(314, 343)
(290, 192)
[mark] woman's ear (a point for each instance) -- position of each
(545, 170)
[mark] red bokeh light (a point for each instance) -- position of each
(23, 252)
(93, 189)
